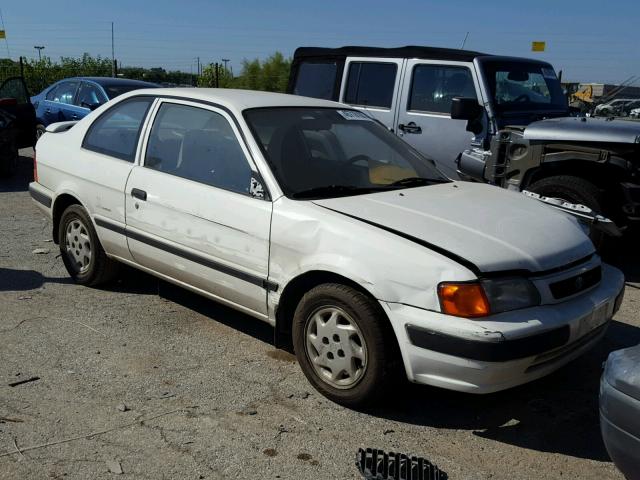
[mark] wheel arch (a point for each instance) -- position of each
(61, 203)
(293, 292)
(603, 175)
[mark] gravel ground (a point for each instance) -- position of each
(174, 386)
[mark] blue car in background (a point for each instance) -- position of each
(73, 98)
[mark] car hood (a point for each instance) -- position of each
(582, 129)
(490, 228)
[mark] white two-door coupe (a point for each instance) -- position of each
(311, 216)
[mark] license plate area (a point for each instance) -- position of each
(596, 318)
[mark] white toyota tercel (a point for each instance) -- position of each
(313, 217)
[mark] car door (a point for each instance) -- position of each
(89, 97)
(15, 89)
(64, 96)
(190, 212)
(424, 117)
(372, 85)
(103, 165)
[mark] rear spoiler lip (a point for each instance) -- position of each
(60, 126)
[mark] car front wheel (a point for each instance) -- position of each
(345, 345)
(80, 248)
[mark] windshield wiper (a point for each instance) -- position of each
(335, 191)
(417, 182)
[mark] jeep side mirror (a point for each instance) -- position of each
(465, 108)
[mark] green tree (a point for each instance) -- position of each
(208, 77)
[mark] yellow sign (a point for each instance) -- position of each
(3, 34)
(538, 46)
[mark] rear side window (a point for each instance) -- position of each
(370, 84)
(65, 93)
(199, 145)
(316, 80)
(89, 95)
(434, 86)
(116, 132)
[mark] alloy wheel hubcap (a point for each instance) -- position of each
(336, 347)
(78, 245)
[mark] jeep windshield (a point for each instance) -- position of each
(327, 152)
(518, 86)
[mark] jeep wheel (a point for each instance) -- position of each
(344, 344)
(574, 190)
(571, 189)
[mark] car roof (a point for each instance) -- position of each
(238, 100)
(114, 81)
(410, 51)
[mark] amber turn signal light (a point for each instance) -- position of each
(463, 299)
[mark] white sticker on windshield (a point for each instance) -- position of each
(353, 115)
(549, 73)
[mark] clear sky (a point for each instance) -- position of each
(589, 40)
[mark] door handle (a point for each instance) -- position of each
(74, 116)
(410, 127)
(139, 194)
(47, 110)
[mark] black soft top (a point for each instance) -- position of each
(397, 52)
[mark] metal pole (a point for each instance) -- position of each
(113, 55)
(217, 77)
(225, 60)
(39, 48)
(198, 70)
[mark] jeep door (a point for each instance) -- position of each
(191, 214)
(424, 117)
(372, 85)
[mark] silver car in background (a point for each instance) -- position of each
(620, 410)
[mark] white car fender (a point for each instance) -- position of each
(306, 238)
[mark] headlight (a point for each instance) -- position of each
(485, 297)
(510, 294)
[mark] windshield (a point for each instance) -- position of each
(518, 86)
(326, 152)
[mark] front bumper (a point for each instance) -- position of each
(504, 350)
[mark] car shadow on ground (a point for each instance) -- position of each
(556, 414)
(19, 182)
(23, 280)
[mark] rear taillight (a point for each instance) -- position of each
(35, 167)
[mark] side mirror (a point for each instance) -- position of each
(465, 108)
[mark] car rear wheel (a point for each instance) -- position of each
(80, 248)
(344, 344)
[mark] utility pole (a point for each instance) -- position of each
(39, 48)
(217, 76)
(199, 72)
(225, 60)
(113, 55)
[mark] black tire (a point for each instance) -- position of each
(572, 189)
(9, 158)
(99, 268)
(575, 190)
(382, 365)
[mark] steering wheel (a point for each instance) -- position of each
(358, 158)
(522, 98)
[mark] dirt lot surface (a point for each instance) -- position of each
(174, 386)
